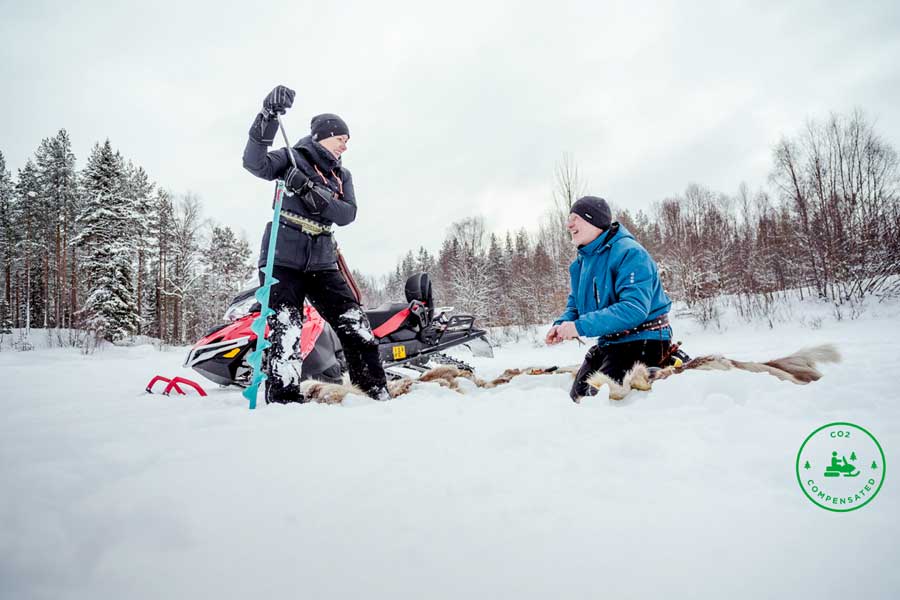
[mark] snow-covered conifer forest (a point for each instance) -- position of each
(106, 250)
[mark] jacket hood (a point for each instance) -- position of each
(616, 233)
(317, 153)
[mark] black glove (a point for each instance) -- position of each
(296, 181)
(316, 198)
(263, 129)
(278, 101)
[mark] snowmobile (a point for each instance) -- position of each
(837, 468)
(410, 334)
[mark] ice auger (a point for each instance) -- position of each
(254, 359)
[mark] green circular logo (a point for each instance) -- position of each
(840, 467)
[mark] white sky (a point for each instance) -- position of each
(455, 109)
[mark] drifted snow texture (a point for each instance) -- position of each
(510, 492)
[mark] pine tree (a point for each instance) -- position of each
(469, 278)
(226, 261)
(407, 267)
(498, 276)
(140, 196)
(520, 292)
(59, 195)
(104, 223)
(27, 216)
(394, 286)
(424, 261)
(446, 265)
(8, 232)
(540, 276)
(5, 316)
(183, 277)
(161, 222)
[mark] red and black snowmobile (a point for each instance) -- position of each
(410, 334)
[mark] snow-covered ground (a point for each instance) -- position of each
(515, 492)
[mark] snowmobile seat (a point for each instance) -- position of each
(418, 287)
(403, 335)
(389, 317)
(379, 315)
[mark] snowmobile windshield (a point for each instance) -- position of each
(240, 308)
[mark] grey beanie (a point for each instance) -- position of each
(594, 210)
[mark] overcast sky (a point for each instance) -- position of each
(454, 109)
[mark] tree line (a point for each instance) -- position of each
(827, 227)
(107, 251)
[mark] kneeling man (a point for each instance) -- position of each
(616, 296)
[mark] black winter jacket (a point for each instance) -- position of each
(296, 249)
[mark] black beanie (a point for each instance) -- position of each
(594, 210)
(327, 125)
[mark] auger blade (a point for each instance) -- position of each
(254, 359)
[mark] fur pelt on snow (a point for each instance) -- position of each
(799, 368)
(444, 376)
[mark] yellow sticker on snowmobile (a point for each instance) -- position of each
(399, 352)
(231, 353)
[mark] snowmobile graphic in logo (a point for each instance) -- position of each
(410, 334)
(838, 468)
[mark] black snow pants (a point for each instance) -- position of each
(615, 360)
(329, 293)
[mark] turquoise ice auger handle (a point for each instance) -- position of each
(254, 359)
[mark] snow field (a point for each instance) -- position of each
(514, 492)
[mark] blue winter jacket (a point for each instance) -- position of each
(615, 286)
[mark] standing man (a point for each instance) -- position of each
(319, 194)
(616, 296)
